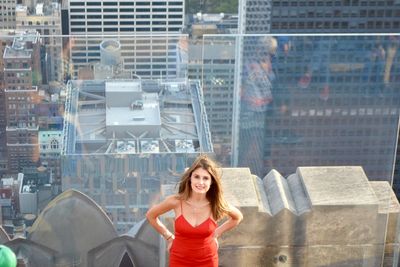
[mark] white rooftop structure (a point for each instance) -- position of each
(39, 9)
(131, 112)
(135, 116)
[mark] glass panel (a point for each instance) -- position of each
(120, 117)
(303, 100)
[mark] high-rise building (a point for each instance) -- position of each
(46, 20)
(214, 58)
(336, 16)
(155, 24)
(318, 100)
(122, 139)
(22, 76)
(26, 106)
(3, 148)
(348, 105)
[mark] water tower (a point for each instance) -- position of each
(110, 52)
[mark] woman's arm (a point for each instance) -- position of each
(154, 212)
(235, 217)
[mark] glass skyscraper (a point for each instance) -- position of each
(318, 100)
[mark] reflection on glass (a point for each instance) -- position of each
(124, 138)
(119, 118)
(309, 101)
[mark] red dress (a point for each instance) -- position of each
(194, 246)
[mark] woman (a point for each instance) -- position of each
(198, 206)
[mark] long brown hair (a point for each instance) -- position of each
(214, 195)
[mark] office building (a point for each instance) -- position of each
(22, 76)
(155, 25)
(330, 101)
(321, 100)
(212, 23)
(46, 20)
(6, 40)
(124, 138)
(212, 61)
(348, 16)
(28, 107)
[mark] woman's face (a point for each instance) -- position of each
(200, 181)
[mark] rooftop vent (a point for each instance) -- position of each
(137, 105)
(138, 118)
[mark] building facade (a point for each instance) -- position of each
(350, 16)
(27, 106)
(3, 148)
(46, 20)
(22, 76)
(7, 14)
(213, 62)
(156, 26)
(318, 100)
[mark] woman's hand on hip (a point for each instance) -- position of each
(169, 243)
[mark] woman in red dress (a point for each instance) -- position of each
(198, 206)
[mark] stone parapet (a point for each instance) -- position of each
(319, 216)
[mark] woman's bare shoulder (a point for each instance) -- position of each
(173, 200)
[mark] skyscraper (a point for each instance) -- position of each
(214, 59)
(323, 100)
(155, 24)
(22, 77)
(3, 148)
(46, 20)
(311, 16)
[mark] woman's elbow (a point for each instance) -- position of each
(149, 216)
(240, 218)
(237, 218)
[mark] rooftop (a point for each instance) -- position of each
(21, 47)
(132, 116)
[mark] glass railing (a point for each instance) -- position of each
(309, 100)
(96, 129)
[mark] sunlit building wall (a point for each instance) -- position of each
(123, 139)
(45, 19)
(215, 60)
(22, 76)
(50, 148)
(3, 148)
(150, 54)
